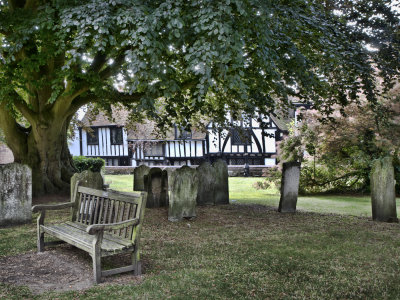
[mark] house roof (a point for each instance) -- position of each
(137, 131)
(146, 131)
(282, 124)
(119, 118)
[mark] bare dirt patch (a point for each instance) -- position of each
(56, 198)
(64, 268)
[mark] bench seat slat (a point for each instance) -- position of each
(81, 239)
(124, 242)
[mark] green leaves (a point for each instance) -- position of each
(204, 57)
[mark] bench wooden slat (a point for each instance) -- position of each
(132, 197)
(110, 211)
(124, 242)
(117, 270)
(82, 239)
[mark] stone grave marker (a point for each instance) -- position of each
(138, 178)
(221, 182)
(383, 196)
(183, 185)
(156, 182)
(15, 194)
(88, 179)
(289, 187)
(206, 190)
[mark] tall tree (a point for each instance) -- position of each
(201, 57)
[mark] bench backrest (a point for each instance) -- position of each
(105, 207)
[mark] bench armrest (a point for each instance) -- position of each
(93, 229)
(43, 207)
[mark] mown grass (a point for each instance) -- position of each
(241, 190)
(244, 251)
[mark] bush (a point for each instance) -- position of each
(83, 163)
(272, 179)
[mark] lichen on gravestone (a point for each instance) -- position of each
(15, 194)
(138, 177)
(383, 195)
(221, 182)
(183, 185)
(206, 191)
(156, 184)
(88, 179)
(289, 187)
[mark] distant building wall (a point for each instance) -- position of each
(74, 145)
(233, 171)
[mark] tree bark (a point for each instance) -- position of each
(43, 147)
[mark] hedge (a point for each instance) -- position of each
(83, 163)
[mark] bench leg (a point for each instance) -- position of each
(96, 256)
(137, 265)
(40, 233)
(97, 268)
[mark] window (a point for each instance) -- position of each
(116, 136)
(241, 136)
(155, 149)
(182, 134)
(93, 136)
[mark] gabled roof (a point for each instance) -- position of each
(138, 131)
(282, 124)
(120, 118)
(146, 131)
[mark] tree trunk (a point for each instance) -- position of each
(45, 150)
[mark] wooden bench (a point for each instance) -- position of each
(103, 223)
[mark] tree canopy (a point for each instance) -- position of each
(201, 57)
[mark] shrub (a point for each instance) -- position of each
(83, 163)
(272, 179)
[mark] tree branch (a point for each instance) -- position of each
(14, 135)
(114, 97)
(22, 106)
(114, 68)
(315, 182)
(13, 4)
(98, 62)
(31, 4)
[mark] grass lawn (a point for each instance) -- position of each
(247, 251)
(241, 191)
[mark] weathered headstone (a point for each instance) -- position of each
(221, 182)
(88, 179)
(206, 191)
(383, 194)
(156, 182)
(15, 194)
(183, 186)
(138, 178)
(289, 187)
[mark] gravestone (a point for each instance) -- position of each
(15, 194)
(156, 183)
(206, 190)
(183, 185)
(289, 187)
(88, 179)
(383, 196)
(221, 189)
(138, 178)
